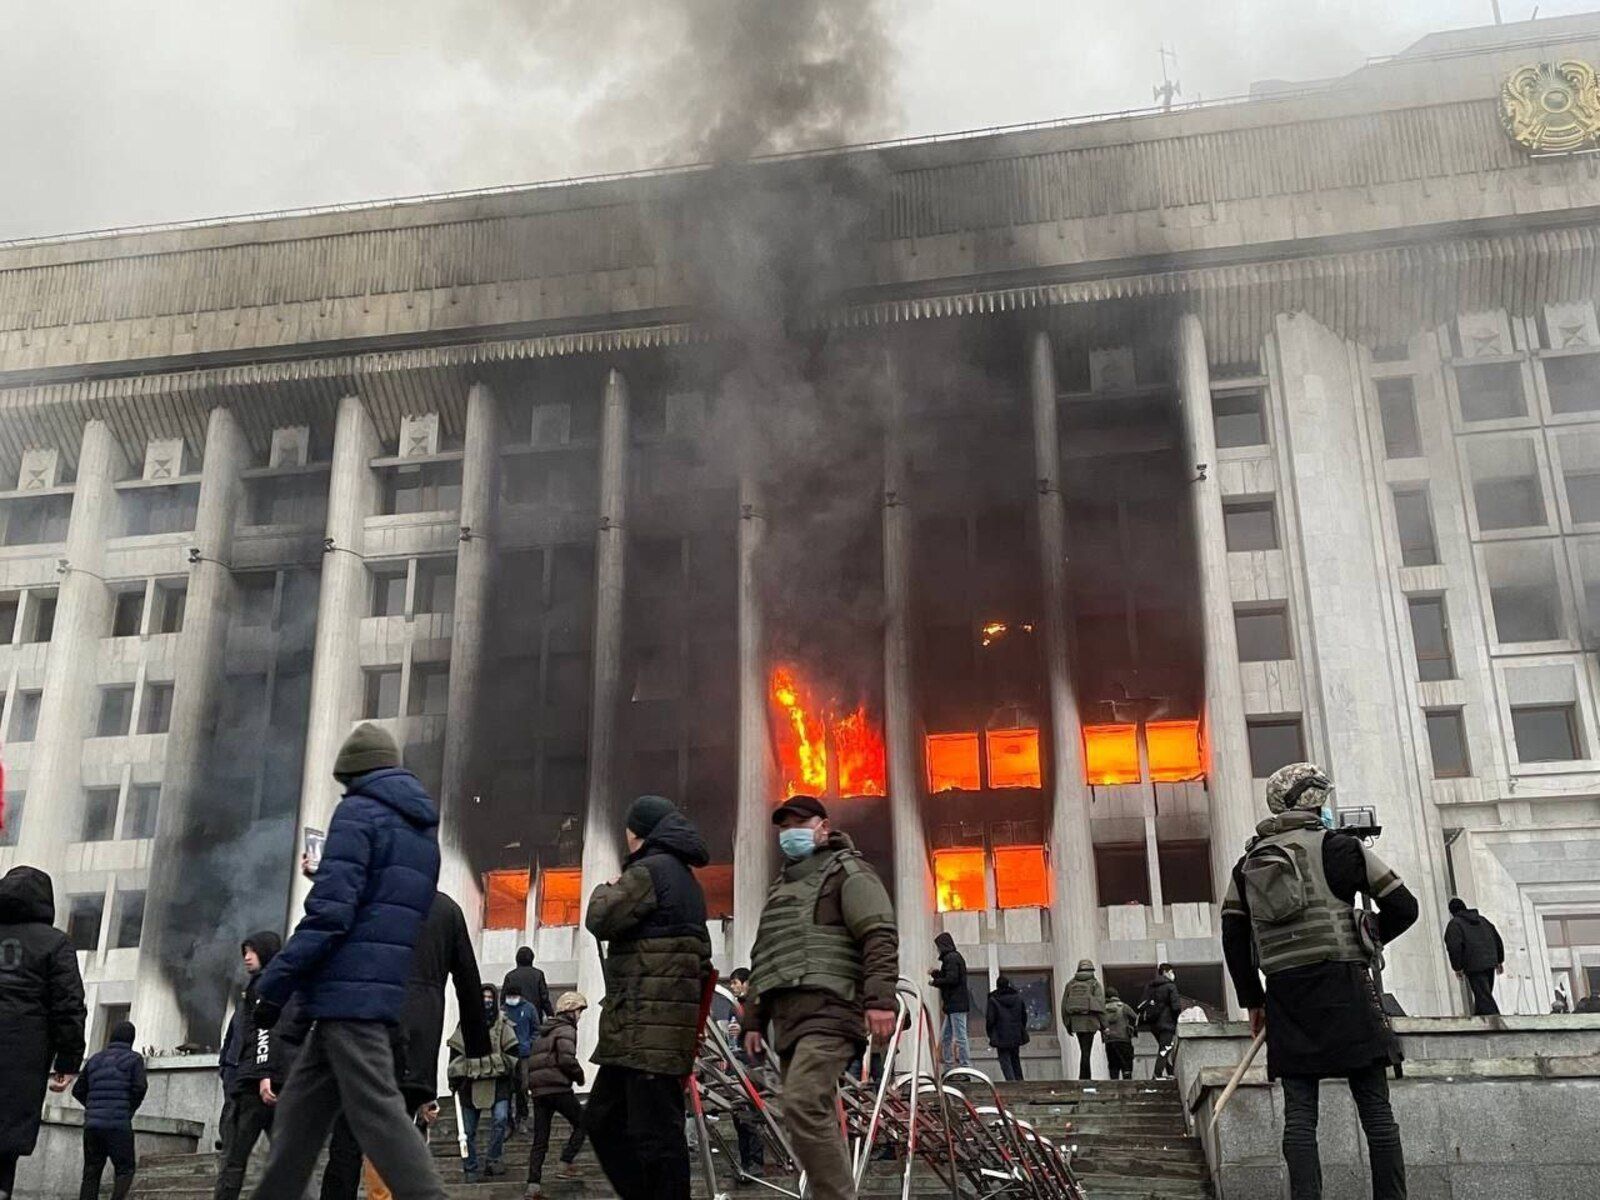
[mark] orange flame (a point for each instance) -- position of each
(812, 740)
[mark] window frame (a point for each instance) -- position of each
(1244, 508)
(1458, 718)
(1574, 726)
(1255, 611)
(1447, 655)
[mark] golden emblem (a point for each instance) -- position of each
(1552, 107)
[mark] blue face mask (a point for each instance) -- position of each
(1326, 814)
(797, 843)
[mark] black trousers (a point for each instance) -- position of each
(1370, 1090)
(99, 1145)
(251, 1119)
(1119, 1056)
(1010, 1061)
(545, 1109)
(1085, 1049)
(1166, 1046)
(8, 1173)
(748, 1126)
(635, 1120)
(1482, 985)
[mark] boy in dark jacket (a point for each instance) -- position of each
(553, 1070)
(1476, 954)
(1120, 1024)
(950, 977)
(350, 959)
(1005, 1024)
(525, 1021)
(111, 1088)
(657, 961)
(1158, 1012)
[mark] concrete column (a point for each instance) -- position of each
(914, 899)
(752, 829)
(353, 496)
(602, 825)
(1227, 747)
(1335, 516)
(474, 562)
(181, 819)
(54, 812)
(1074, 911)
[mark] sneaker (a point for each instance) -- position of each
(534, 1192)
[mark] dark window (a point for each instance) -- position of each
(1263, 634)
(383, 694)
(12, 829)
(1583, 496)
(171, 598)
(83, 920)
(1512, 503)
(1447, 740)
(129, 921)
(286, 500)
(1037, 993)
(25, 720)
(128, 613)
(1430, 631)
(156, 713)
(254, 593)
(430, 689)
(1274, 743)
(111, 1015)
(572, 575)
(389, 590)
(139, 814)
(161, 509)
(1250, 526)
(424, 488)
(116, 711)
(1526, 612)
(436, 585)
(1239, 419)
(1413, 518)
(44, 619)
(1491, 391)
(1123, 874)
(37, 520)
(1573, 382)
(1397, 408)
(99, 814)
(8, 620)
(1185, 872)
(1546, 732)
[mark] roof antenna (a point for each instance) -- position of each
(1164, 91)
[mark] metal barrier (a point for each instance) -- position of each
(922, 1116)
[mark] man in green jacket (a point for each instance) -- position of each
(1083, 1010)
(657, 961)
(822, 975)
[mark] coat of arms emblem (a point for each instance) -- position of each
(1552, 107)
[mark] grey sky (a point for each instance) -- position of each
(119, 112)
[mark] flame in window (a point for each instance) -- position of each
(992, 631)
(1111, 753)
(1174, 749)
(505, 899)
(1021, 877)
(953, 762)
(802, 743)
(823, 752)
(560, 895)
(958, 879)
(1013, 758)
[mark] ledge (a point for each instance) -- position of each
(162, 1126)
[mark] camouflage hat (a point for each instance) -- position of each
(1298, 785)
(571, 1002)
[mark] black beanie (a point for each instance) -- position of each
(368, 748)
(1457, 905)
(645, 813)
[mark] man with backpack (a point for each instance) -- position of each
(1083, 1008)
(1159, 1007)
(111, 1088)
(1476, 954)
(1121, 1022)
(1290, 915)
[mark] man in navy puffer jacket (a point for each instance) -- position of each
(349, 959)
(111, 1088)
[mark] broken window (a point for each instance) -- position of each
(1250, 525)
(560, 895)
(1173, 748)
(1447, 742)
(953, 762)
(1413, 518)
(1122, 873)
(84, 914)
(1111, 754)
(1397, 408)
(1239, 419)
(958, 877)
(1021, 877)
(505, 899)
(1013, 758)
(1430, 632)
(1491, 391)
(1546, 732)
(1274, 743)
(1185, 872)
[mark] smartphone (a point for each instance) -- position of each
(315, 840)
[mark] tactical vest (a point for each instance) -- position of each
(1295, 916)
(1079, 997)
(1119, 1022)
(792, 950)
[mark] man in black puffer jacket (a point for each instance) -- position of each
(1476, 954)
(950, 977)
(111, 1088)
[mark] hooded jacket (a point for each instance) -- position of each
(1473, 942)
(350, 955)
(113, 1084)
(950, 977)
(1083, 1000)
(1159, 1006)
(658, 954)
(529, 980)
(1005, 1022)
(553, 1065)
(262, 1053)
(41, 1004)
(484, 1080)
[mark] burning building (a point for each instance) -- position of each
(1107, 467)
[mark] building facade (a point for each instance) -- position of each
(1107, 467)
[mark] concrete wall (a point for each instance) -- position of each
(54, 1169)
(1501, 1107)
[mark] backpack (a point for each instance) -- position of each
(1275, 888)
(1080, 997)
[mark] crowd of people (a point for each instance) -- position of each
(335, 1035)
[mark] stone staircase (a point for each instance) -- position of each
(1129, 1137)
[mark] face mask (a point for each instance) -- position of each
(513, 1001)
(797, 843)
(1326, 814)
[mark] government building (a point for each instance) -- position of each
(1030, 496)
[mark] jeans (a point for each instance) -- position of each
(500, 1114)
(1369, 1088)
(348, 1066)
(1085, 1053)
(99, 1145)
(811, 1113)
(635, 1120)
(1010, 1062)
(545, 1109)
(250, 1119)
(1119, 1057)
(1482, 985)
(953, 1044)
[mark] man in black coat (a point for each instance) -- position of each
(1005, 1024)
(1290, 914)
(41, 1013)
(261, 1064)
(950, 977)
(1476, 954)
(1159, 1007)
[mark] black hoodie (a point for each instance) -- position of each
(261, 1053)
(951, 976)
(1473, 942)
